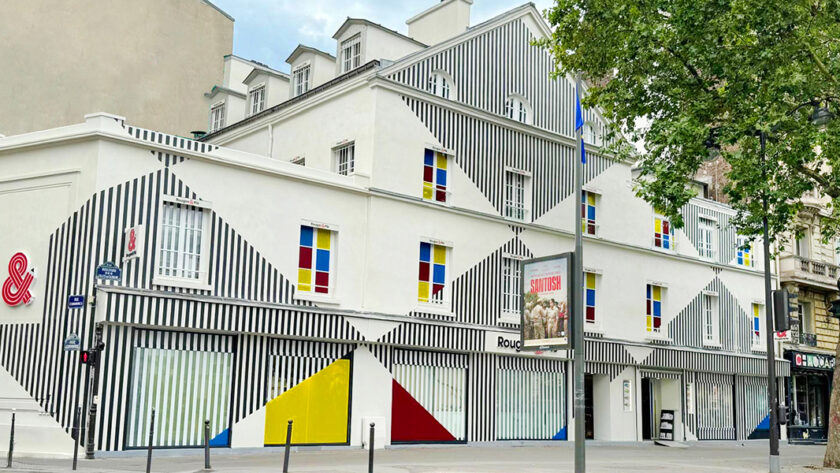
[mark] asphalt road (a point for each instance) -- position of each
(705, 457)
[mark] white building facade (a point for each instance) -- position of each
(351, 255)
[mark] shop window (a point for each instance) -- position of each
(428, 403)
(530, 405)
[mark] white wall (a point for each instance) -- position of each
(446, 20)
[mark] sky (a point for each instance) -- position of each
(269, 30)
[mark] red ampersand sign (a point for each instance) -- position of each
(132, 240)
(16, 286)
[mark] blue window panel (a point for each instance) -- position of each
(306, 236)
(648, 291)
(657, 309)
(756, 323)
(429, 158)
(322, 260)
(740, 258)
(665, 244)
(590, 297)
(441, 177)
(590, 213)
(425, 252)
(439, 274)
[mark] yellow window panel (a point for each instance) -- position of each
(657, 225)
(324, 239)
(428, 191)
(423, 291)
(657, 293)
(304, 276)
(440, 254)
(441, 161)
(590, 198)
(590, 281)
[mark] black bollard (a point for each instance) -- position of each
(76, 420)
(288, 444)
(11, 442)
(151, 438)
(206, 444)
(370, 446)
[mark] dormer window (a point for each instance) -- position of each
(256, 99)
(517, 108)
(301, 79)
(351, 53)
(440, 84)
(217, 117)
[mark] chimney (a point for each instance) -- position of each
(445, 20)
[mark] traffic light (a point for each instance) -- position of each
(781, 310)
(85, 357)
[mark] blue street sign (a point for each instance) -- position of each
(72, 343)
(108, 271)
(76, 302)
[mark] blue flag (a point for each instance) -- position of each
(579, 126)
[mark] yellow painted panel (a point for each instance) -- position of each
(440, 254)
(657, 225)
(590, 198)
(318, 406)
(304, 276)
(590, 280)
(657, 293)
(324, 239)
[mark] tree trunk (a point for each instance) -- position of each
(832, 449)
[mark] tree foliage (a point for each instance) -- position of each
(709, 75)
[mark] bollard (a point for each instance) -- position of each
(151, 437)
(288, 443)
(206, 444)
(76, 420)
(370, 446)
(11, 441)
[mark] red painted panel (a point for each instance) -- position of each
(411, 422)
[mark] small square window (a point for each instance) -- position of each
(344, 159)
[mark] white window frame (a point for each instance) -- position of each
(348, 167)
(707, 237)
(518, 108)
(330, 296)
(710, 318)
(442, 85)
(203, 280)
(218, 112)
(597, 211)
(759, 344)
(514, 210)
(256, 99)
(511, 288)
(351, 53)
(301, 78)
(443, 307)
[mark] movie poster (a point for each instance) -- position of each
(546, 310)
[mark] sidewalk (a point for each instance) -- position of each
(706, 457)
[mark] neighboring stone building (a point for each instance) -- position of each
(149, 60)
(809, 271)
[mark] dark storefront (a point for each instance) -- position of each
(808, 395)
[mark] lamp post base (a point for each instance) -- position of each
(775, 466)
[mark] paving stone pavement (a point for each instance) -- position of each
(705, 457)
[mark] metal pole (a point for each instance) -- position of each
(206, 444)
(151, 439)
(94, 392)
(288, 444)
(772, 395)
(370, 447)
(577, 315)
(11, 442)
(76, 420)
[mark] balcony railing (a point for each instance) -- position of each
(808, 339)
(797, 267)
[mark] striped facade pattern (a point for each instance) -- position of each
(727, 243)
(653, 374)
(483, 150)
(751, 392)
(613, 371)
(441, 337)
(686, 328)
(184, 388)
(715, 406)
(169, 140)
(429, 358)
(293, 361)
(481, 80)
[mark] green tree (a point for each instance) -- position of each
(709, 75)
